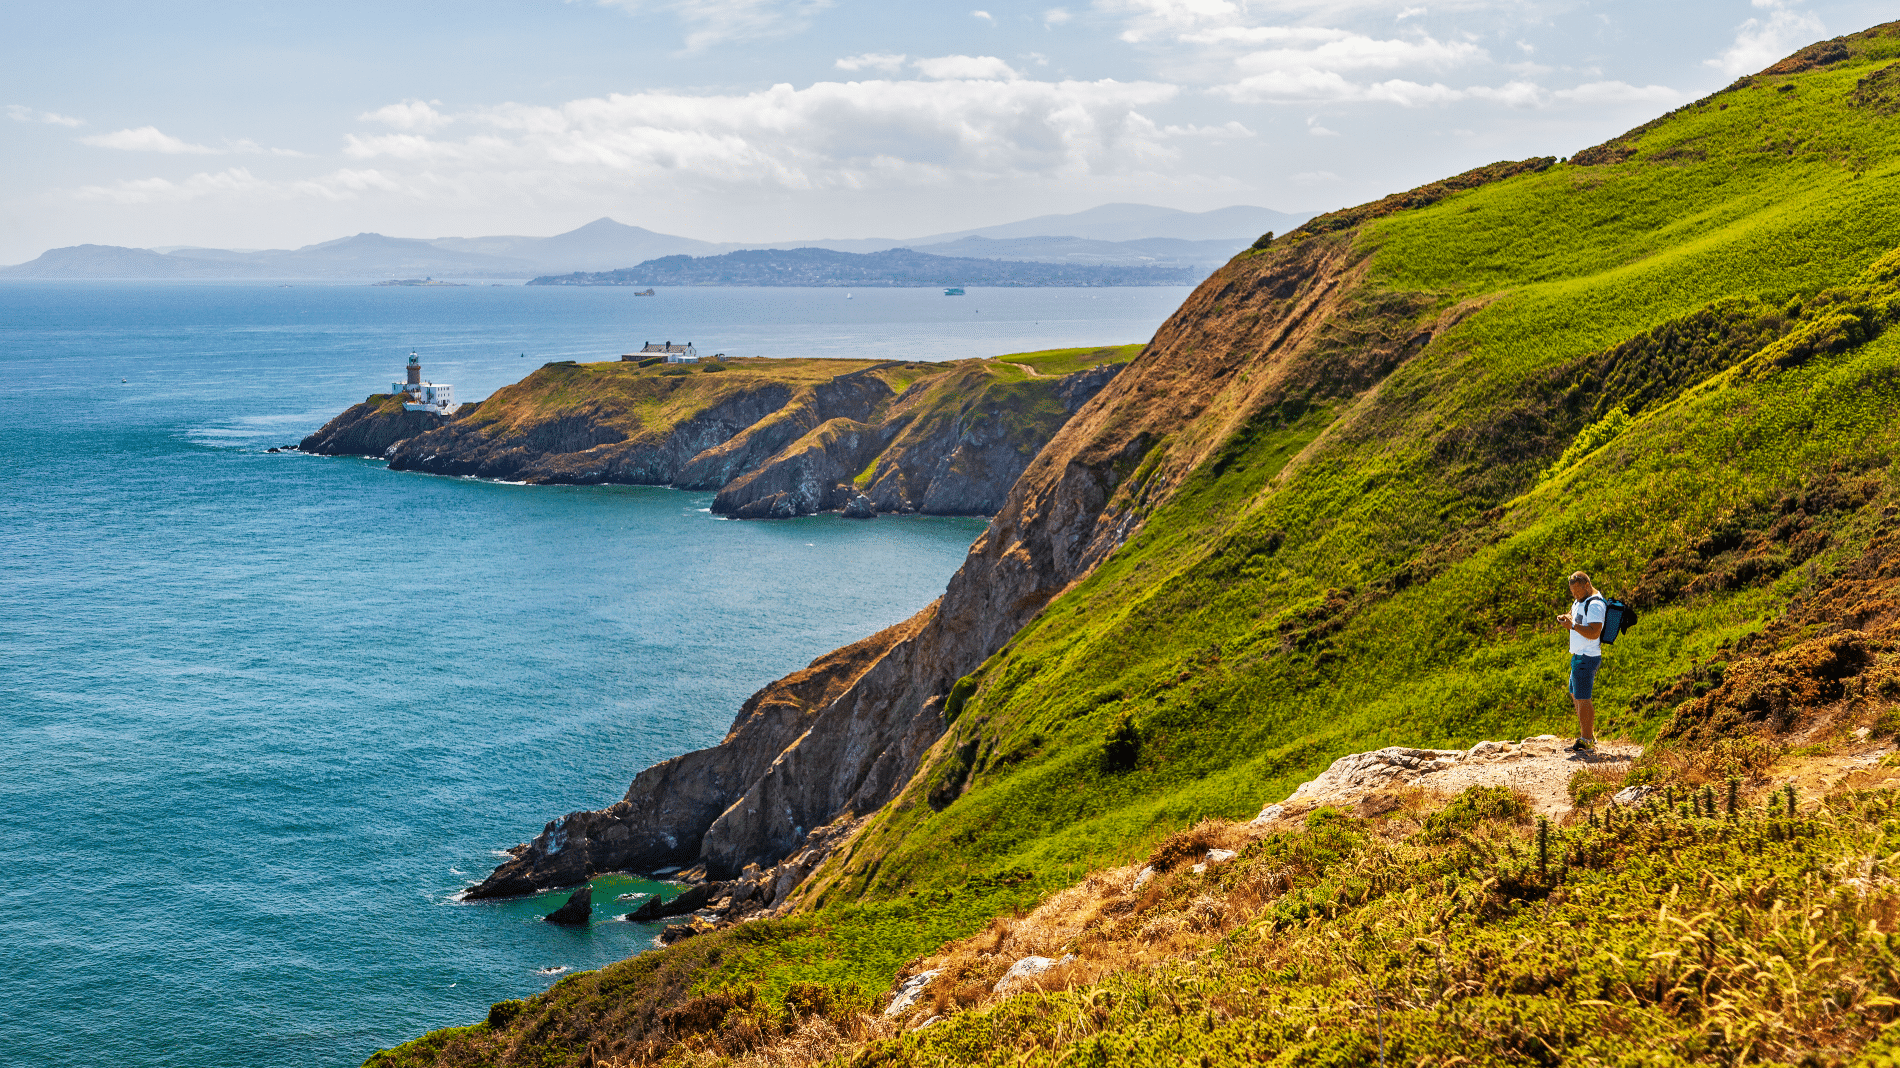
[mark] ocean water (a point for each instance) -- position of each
(261, 715)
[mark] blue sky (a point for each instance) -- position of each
(276, 125)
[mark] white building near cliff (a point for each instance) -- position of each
(674, 353)
(424, 396)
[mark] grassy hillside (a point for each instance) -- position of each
(1665, 361)
(1350, 571)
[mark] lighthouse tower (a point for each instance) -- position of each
(435, 397)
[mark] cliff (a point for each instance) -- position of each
(1327, 510)
(779, 438)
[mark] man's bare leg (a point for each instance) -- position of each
(1586, 718)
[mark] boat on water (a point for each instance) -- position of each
(953, 291)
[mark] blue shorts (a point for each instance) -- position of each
(1583, 675)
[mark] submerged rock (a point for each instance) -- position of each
(579, 908)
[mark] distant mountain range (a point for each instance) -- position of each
(891, 267)
(1134, 236)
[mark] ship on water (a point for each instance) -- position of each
(953, 291)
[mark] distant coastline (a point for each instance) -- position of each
(901, 267)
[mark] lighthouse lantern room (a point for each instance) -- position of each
(424, 396)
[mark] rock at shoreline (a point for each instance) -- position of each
(578, 910)
(860, 507)
(654, 909)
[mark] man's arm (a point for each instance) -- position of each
(1592, 631)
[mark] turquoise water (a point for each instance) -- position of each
(262, 715)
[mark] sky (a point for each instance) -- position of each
(274, 125)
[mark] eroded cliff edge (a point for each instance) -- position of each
(777, 438)
(844, 736)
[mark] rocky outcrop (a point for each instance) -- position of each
(775, 441)
(1538, 768)
(578, 909)
(810, 475)
(952, 444)
(668, 810)
(848, 397)
(373, 427)
(579, 447)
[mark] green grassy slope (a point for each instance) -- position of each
(1394, 583)
(1670, 368)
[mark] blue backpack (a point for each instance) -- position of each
(1618, 617)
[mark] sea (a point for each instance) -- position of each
(263, 715)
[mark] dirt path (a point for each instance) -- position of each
(1033, 373)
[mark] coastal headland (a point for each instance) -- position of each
(1316, 533)
(776, 437)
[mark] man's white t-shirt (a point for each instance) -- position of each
(1584, 613)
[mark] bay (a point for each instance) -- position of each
(263, 714)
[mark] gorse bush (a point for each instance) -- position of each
(1685, 939)
(1590, 439)
(1478, 805)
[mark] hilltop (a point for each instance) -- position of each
(776, 437)
(1327, 510)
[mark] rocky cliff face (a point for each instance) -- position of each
(846, 735)
(373, 427)
(776, 438)
(952, 444)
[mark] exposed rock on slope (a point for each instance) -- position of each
(373, 427)
(952, 444)
(781, 437)
(1539, 768)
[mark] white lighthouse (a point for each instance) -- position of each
(424, 396)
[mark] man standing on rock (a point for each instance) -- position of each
(1584, 621)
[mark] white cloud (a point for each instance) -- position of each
(965, 67)
(160, 190)
(238, 183)
(1055, 16)
(1760, 42)
(1167, 18)
(1314, 177)
(408, 115)
(985, 16)
(147, 139)
(1315, 129)
(1595, 93)
(710, 22)
(1357, 52)
(21, 113)
(152, 139)
(832, 135)
(1410, 12)
(889, 63)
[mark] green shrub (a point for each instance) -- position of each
(959, 695)
(503, 1013)
(1477, 805)
(1121, 743)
